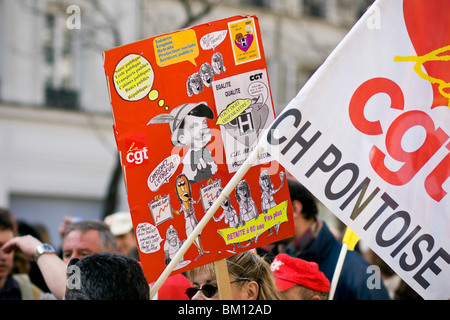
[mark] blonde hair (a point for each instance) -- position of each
(246, 265)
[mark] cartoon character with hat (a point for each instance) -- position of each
(188, 126)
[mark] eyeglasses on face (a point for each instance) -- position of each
(208, 290)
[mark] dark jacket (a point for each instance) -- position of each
(352, 284)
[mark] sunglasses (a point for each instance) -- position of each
(208, 290)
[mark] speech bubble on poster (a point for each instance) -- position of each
(259, 89)
(163, 172)
(233, 110)
(133, 77)
(212, 39)
(148, 237)
(176, 47)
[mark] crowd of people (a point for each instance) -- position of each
(99, 260)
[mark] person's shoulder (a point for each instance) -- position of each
(366, 282)
(27, 289)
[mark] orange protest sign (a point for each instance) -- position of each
(189, 108)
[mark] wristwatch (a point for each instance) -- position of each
(41, 249)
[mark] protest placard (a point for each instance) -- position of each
(189, 108)
(368, 135)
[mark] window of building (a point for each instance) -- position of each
(59, 50)
(50, 211)
(314, 8)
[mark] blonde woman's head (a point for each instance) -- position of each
(250, 278)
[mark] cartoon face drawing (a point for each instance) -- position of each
(184, 194)
(172, 236)
(195, 133)
(229, 213)
(242, 191)
(194, 84)
(265, 182)
(183, 188)
(207, 74)
(267, 191)
(217, 63)
(171, 247)
(247, 207)
(238, 37)
(226, 204)
(188, 126)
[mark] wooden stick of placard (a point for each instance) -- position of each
(223, 280)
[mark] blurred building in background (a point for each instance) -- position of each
(57, 149)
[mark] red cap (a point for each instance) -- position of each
(289, 271)
(174, 287)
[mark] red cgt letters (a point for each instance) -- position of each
(412, 161)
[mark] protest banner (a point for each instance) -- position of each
(368, 135)
(189, 108)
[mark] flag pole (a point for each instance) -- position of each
(221, 198)
(337, 271)
(348, 243)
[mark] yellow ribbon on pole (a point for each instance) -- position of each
(350, 238)
(348, 243)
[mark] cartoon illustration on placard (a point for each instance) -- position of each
(247, 207)
(194, 84)
(246, 127)
(188, 126)
(208, 193)
(189, 107)
(184, 194)
(160, 209)
(148, 237)
(229, 213)
(162, 172)
(244, 111)
(205, 75)
(217, 63)
(230, 216)
(267, 192)
(245, 42)
(171, 247)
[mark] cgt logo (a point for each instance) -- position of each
(136, 150)
(412, 161)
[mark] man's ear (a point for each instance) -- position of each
(182, 139)
(297, 208)
(252, 290)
